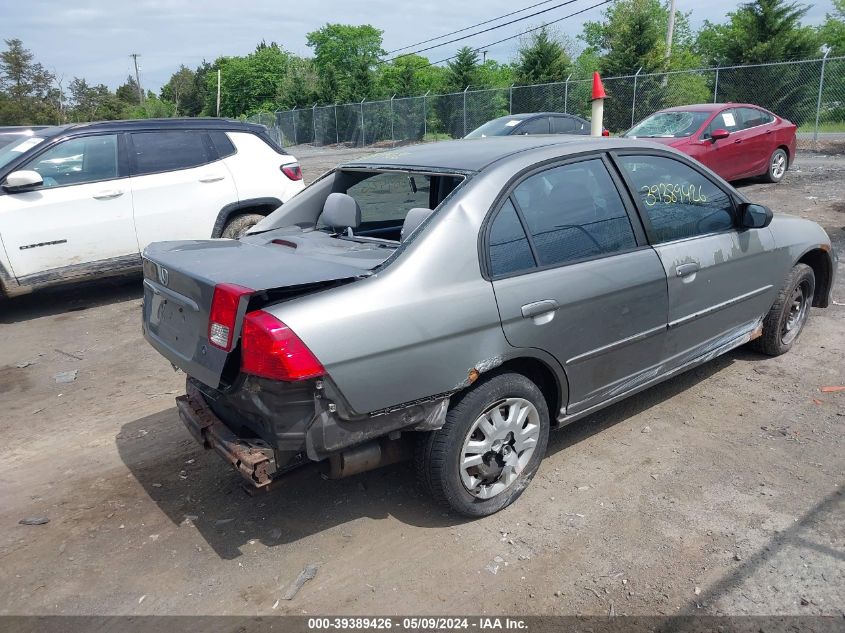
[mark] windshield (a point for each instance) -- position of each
(496, 127)
(674, 124)
(13, 150)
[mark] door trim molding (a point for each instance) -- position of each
(719, 306)
(615, 345)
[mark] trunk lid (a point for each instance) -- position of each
(179, 281)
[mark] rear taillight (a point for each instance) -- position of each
(270, 349)
(292, 171)
(224, 311)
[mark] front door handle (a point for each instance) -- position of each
(211, 178)
(537, 308)
(108, 195)
(687, 269)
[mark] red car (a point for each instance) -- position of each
(736, 140)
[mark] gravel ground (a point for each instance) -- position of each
(717, 492)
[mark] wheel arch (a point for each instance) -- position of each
(261, 206)
(552, 384)
(819, 260)
(785, 149)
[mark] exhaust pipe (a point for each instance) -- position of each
(368, 456)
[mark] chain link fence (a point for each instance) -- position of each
(810, 93)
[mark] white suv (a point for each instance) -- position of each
(84, 200)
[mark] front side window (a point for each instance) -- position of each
(726, 120)
(77, 161)
(679, 201)
(155, 152)
(574, 212)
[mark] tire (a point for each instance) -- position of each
(783, 324)
(240, 224)
(778, 164)
(440, 453)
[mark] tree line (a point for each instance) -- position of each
(348, 64)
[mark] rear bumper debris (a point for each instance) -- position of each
(253, 461)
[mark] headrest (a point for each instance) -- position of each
(341, 210)
(415, 217)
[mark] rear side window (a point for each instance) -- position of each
(222, 143)
(752, 117)
(574, 212)
(154, 152)
(534, 126)
(509, 249)
(679, 201)
(565, 125)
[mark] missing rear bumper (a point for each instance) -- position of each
(252, 460)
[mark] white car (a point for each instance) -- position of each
(83, 201)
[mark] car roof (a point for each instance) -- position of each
(154, 124)
(710, 107)
(473, 155)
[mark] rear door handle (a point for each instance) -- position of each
(211, 178)
(537, 308)
(687, 269)
(108, 195)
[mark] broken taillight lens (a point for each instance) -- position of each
(292, 171)
(270, 349)
(224, 311)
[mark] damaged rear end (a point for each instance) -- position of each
(256, 393)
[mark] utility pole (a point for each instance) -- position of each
(134, 57)
(218, 92)
(670, 28)
(483, 57)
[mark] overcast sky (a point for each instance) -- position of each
(93, 38)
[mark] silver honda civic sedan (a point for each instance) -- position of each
(454, 302)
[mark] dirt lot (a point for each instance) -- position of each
(717, 492)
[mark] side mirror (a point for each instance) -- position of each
(719, 134)
(754, 216)
(22, 180)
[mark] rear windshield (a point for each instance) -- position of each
(386, 197)
(674, 124)
(497, 127)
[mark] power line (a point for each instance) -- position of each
(491, 28)
(536, 28)
(467, 28)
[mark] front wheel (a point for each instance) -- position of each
(778, 163)
(788, 315)
(489, 448)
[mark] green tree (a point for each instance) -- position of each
(542, 58)
(462, 71)
(345, 57)
(758, 32)
(27, 88)
(410, 75)
(832, 32)
(94, 103)
(128, 91)
(181, 88)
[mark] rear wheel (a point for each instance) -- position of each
(489, 447)
(788, 315)
(778, 163)
(240, 224)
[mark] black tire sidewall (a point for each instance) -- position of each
(239, 224)
(458, 423)
(799, 276)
